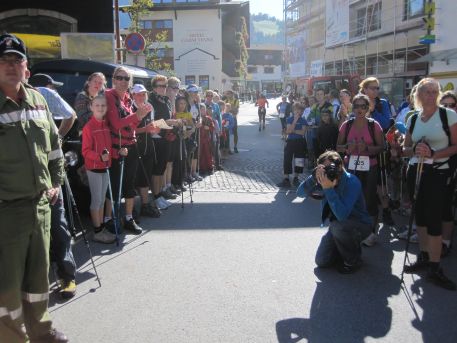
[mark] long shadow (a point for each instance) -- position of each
(347, 308)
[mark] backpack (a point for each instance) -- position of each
(349, 124)
(445, 125)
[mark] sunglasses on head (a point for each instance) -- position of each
(449, 104)
(122, 78)
(361, 106)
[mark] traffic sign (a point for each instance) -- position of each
(135, 43)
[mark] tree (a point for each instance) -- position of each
(242, 37)
(155, 43)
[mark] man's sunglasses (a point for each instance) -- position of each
(361, 106)
(122, 78)
(449, 104)
(160, 86)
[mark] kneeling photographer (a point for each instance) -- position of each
(344, 206)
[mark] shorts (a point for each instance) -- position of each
(430, 202)
(448, 213)
(162, 150)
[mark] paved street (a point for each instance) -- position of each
(237, 266)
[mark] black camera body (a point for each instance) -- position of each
(331, 171)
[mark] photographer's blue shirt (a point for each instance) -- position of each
(298, 126)
(346, 200)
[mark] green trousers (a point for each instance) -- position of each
(24, 265)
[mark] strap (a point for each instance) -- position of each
(445, 123)
(413, 122)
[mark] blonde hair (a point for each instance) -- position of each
(365, 82)
(420, 88)
(173, 82)
(158, 78)
(121, 68)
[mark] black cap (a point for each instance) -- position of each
(43, 80)
(12, 44)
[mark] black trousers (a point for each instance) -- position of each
(129, 176)
(295, 148)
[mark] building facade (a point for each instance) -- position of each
(353, 39)
(200, 45)
(265, 69)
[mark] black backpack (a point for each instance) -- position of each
(445, 125)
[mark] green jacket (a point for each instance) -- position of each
(31, 159)
(316, 112)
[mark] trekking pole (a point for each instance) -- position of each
(74, 209)
(181, 167)
(384, 154)
(119, 196)
(110, 189)
(420, 166)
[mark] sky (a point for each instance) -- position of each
(273, 8)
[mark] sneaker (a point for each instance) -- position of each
(105, 236)
(67, 289)
(133, 227)
(174, 190)
(346, 268)
(296, 181)
(160, 204)
(419, 265)
(235, 149)
(387, 217)
(284, 183)
(148, 210)
(197, 177)
(220, 168)
(182, 188)
(53, 336)
(168, 195)
(370, 240)
(110, 228)
(441, 280)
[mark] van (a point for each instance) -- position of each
(74, 73)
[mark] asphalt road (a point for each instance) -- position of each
(237, 265)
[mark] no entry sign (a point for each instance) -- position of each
(135, 43)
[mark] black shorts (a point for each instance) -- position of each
(448, 213)
(144, 170)
(162, 150)
(430, 202)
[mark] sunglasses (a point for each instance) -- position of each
(361, 106)
(160, 86)
(449, 104)
(175, 88)
(122, 78)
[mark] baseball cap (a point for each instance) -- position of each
(138, 88)
(43, 80)
(192, 88)
(11, 44)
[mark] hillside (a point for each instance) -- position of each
(266, 30)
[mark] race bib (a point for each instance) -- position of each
(282, 115)
(299, 162)
(360, 163)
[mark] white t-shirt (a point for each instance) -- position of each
(433, 131)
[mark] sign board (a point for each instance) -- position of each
(135, 43)
(84, 46)
(316, 68)
(336, 22)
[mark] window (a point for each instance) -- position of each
(189, 79)
(369, 17)
(268, 57)
(163, 24)
(203, 81)
(413, 8)
(145, 24)
(252, 70)
(269, 70)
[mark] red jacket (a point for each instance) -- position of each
(96, 138)
(123, 124)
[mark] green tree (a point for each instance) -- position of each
(242, 37)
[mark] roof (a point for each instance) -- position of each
(196, 49)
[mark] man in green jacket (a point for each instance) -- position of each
(31, 171)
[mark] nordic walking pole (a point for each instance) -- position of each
(74, 209)
(119, 196)
(110, 189)
(180, 165)
(420, 166)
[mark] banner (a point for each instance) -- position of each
(316, 68)
(297, 55)
(88, 46)
(336, 22)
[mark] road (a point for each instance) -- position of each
(237, 265)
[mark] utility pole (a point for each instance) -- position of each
(117, 32)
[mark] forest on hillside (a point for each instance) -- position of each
(266, 29)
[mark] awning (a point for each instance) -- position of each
(441, 55)
(41, 46)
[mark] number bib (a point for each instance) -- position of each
(363, 163)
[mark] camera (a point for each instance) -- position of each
(331, 171)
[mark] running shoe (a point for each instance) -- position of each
(441, 280)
